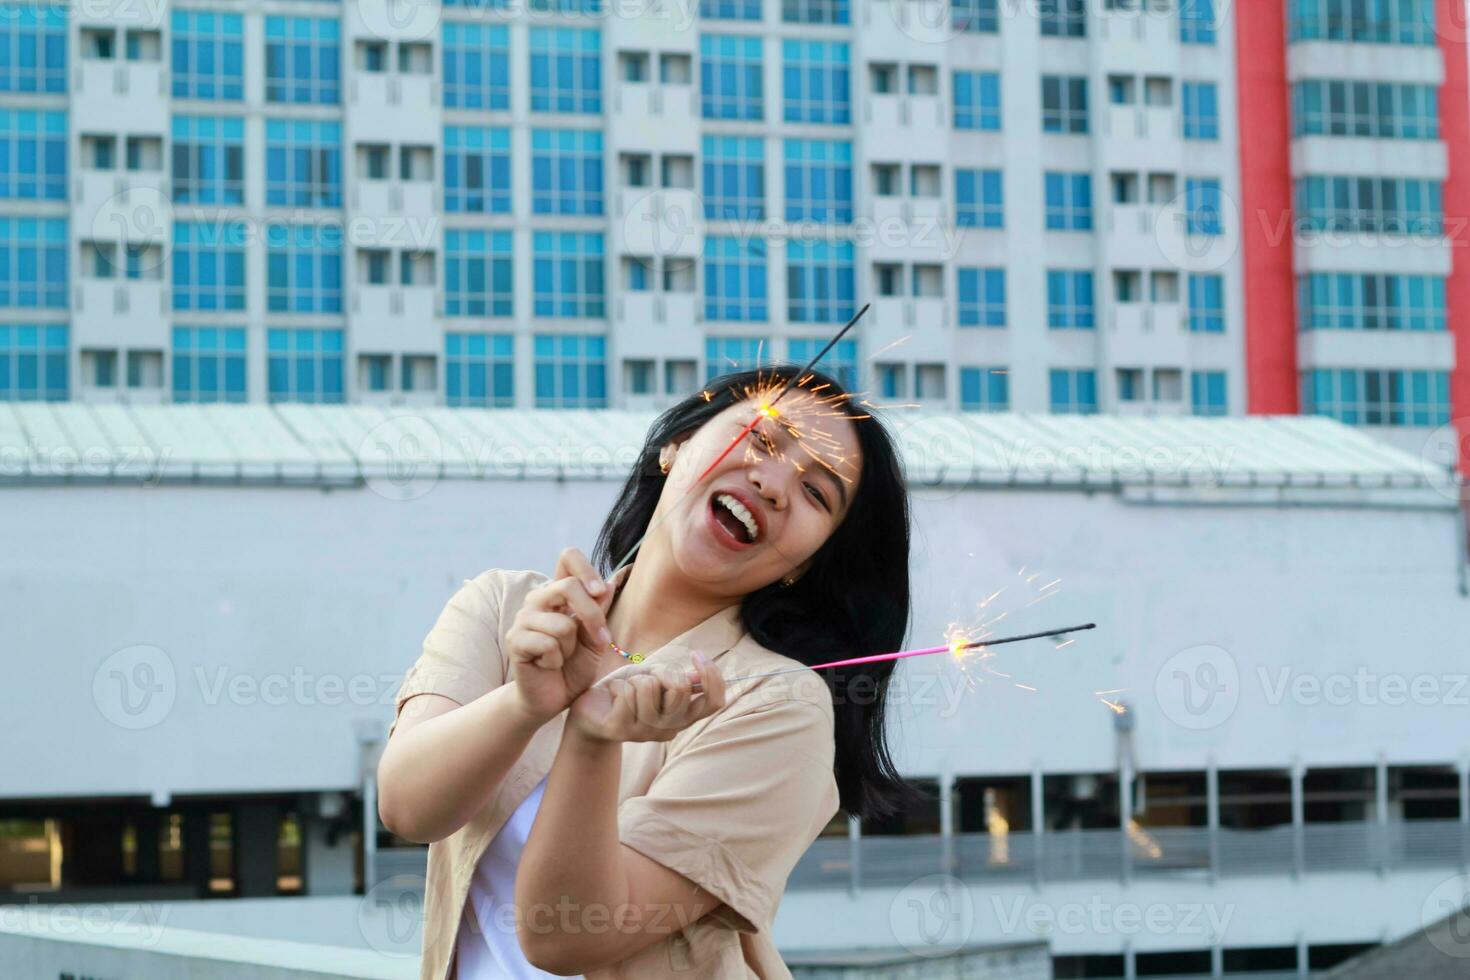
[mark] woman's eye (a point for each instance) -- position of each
(821, 499)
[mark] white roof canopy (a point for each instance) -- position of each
(71, 442)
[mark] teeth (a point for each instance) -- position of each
(739, 510)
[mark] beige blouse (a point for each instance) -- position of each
(730, 802)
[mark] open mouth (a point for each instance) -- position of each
(734, 518)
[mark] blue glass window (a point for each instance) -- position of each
(476, 170)
(208, 55)
(730, 9)
(734, 279)
(1202, 205)
(1069, 301)
(209, 364)
(32, 155)
(303, 268)
(303, 163)
(479, 278)
(571, 371)
(985, 389)
(476, 66)
(566, 171)
(977, 100)
(303, 60)
(820, 282)
(979, 198)
(33, 363)
(209, 266)
(568, 275)
(1073, 392)
(566, 69)
(1064, 103)
(1364, 21)
(817, 81)
(1206, 303)
(304, 365)
(208, 160)
(1207, 392)
(818, 180)
(1371, 301)
(814, 12)
(1197, 21)
(1377, 397)
(32, 48)
(1201, 111)
(1068, 201)
(479, 370)
(730, 85)
(33, 266)
(982, 297)
(734, 178)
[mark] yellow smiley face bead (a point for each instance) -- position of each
(636, 658)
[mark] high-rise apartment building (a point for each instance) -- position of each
(1071, 206)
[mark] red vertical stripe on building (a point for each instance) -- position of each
(1262, 100)
(1454, 129)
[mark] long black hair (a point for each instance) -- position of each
(853, 599)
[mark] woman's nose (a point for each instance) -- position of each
(768, 486)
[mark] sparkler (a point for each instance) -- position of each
(956, 645)
(767, 409)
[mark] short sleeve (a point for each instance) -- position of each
(461, 657)
(736, 808)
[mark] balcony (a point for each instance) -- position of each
(656, 117)
(407, 211)
(122, 206)
(658, 309)
(920, 124)
(1146, 334)
(119, 97)
(659, 222)
(389, 108)
(107, 312)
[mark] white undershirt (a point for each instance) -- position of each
(492, 951)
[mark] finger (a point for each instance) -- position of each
(538, 648)
(677, 695)
(649, 693)
(573, 563)
(713, 682)
(558, 625)
(585, 610)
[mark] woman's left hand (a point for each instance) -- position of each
(647, 702)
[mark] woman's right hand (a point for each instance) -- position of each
(558, 637)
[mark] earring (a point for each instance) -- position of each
(665, 461)
(788, 581)
(663, 467)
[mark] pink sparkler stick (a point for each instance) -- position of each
(926, 651)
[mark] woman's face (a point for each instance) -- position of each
(771, 503)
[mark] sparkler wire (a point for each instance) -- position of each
(926, 651)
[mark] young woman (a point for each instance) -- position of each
(593, 816)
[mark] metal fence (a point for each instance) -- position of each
(1092, 854)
